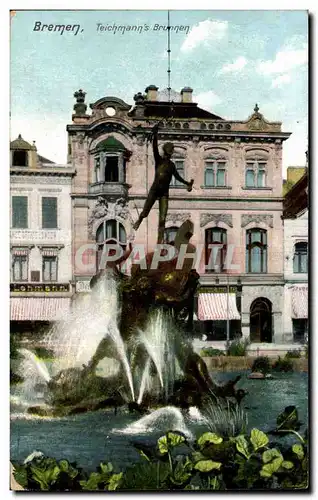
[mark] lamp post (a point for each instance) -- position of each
(227, 312)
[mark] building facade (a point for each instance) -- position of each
(40, 238)
(235, 205)
(296, 262)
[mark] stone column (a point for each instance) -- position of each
(102, 167)
(121, 176)
(277, 328)
(245, 322)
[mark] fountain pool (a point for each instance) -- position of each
(91, 438)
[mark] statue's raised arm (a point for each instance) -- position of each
(156, 154)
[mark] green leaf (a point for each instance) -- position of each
(64, 465)
(163, 445)
(270, 454)
(258, 439)
(92, 482)
(298, 450)
(287, 464)
(207, 465)
(169, 441)
(288, 419)
(143, 455)
(114, 481)
(175, 439)
(106, 468)
(21, 476)
(269, 469)
(209, 437)
(242, 446)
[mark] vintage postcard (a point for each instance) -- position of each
(159, 250)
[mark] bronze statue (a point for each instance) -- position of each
(164, 170)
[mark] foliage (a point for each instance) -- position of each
(238, 347)
(294, 354)
(210, 351)
(14, 346)
(283, 365)
(211, 462)
(261, 364)
(226, 420)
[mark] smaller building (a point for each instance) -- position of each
(40, 238)
(295, 213)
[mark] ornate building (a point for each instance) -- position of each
(295, 212)
(40, 238)
(235, 205)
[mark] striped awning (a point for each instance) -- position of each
(38, 309)
(215, 306)
(50, 252)
(20, 250)
(300, 302)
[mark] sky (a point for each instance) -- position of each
(232, 60)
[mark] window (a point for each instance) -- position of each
(214, 175)
(215, 249)
(20, 212)
(256, 251)
(110, 232)
(49, 268)
(180, 169)
(20, 159)
(255, 175)
(111, 169)
(49, 213)
(301, 258)
(170, 234)
(20, 268)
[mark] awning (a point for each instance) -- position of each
(300, 302)
(215, 306)
(38, 309)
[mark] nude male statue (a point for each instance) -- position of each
(164, 170)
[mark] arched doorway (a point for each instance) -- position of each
(261, 320)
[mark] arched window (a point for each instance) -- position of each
(215, 249)
(110, 158)
(301, 257)
(170, 234)
(215, 173)
(256, 251)
(255, 174)
(110, 232)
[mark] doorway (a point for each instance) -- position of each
(261, 320)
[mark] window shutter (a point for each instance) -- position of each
(20, 212)
(49, 213)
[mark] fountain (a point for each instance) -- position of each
(129, 339)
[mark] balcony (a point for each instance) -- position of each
(116, 189)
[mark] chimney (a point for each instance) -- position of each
(151, 93)
(186, 94)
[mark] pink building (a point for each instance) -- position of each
(235, 204)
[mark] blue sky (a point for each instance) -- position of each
(232, 59)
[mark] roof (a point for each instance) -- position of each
(20, 143)
(296, 199)
(162, 109)
(42, 159)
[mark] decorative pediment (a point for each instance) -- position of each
(216, 153)
(257, 218)
(105, 210)
(216, 218)
(257, 121)
(110, 101)
(175, 217)
(256, 154)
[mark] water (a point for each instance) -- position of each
(91, 438)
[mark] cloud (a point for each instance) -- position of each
(204, 33)
(207, 100)
(237, 65)
(49, 133)
(281, 80)
(286, 60)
